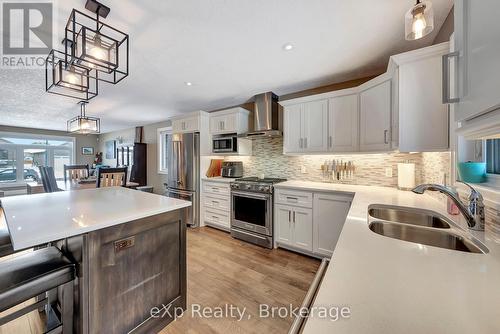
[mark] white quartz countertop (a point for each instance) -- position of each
(219, 179)
(37, 219)
(393, 286)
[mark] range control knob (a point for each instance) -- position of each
(248, 186)
(235, 186)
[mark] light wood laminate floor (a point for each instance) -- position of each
(225, 271)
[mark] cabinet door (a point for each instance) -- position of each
(343, 124)
(283, 220)
(314, 120)
(330, 213)
(293, 137)
(477, 40)
(191, 124)
(375, 113)
(176, 126)
(423, 118)
(302, 228)
(216, 124)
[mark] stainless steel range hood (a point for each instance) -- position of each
(267, 117)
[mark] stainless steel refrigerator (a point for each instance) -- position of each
(183, 182)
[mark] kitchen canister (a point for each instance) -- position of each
(473, 172)
(406, 176)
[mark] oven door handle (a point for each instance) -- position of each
(251, 195)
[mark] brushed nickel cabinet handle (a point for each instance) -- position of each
(305, 142)
(446, 78)
(294, 216)
(300, 142)
(330, 142)
(385, 136)
(289, 216)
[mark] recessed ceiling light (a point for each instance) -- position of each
(287, 47)
(188, 83)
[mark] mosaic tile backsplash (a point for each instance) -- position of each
(268, 160)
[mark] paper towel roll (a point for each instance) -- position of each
(406, 176)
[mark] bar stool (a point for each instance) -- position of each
(38, 273)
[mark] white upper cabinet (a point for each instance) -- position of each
(188, 124)
(234, 120)
(477, 45)
(305, 127)
(423, 118)
(375, 117)
(292, 128)
(343, 123)
(315, 126)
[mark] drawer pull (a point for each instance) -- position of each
(292, 198)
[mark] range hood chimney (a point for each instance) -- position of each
(267, 117)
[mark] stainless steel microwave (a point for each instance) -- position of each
(225, 144)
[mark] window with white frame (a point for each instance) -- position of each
(22, 154)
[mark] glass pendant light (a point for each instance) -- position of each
(84, 124)
(419, 20)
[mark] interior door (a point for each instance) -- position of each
(375, 113)
(343, 124)
(315, 126)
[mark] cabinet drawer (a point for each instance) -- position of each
(217, 217)
(216, 188)
(217, 202)
(294, 197)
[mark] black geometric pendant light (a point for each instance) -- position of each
(84, 124)
(97, 46)
(68, 79)
(93, 52)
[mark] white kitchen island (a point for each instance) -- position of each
(129, 247)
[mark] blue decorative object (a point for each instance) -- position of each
(472, 172)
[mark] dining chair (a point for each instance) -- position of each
(76, 172)
(49, 179)
(112, 177)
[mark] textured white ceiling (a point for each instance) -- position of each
(229, 49)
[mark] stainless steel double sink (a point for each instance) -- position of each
(421, 226)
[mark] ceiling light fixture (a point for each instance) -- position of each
(419, 20)
(84, 124)
(189, 83)
(287, 47)
(67, 79)
(96, 45)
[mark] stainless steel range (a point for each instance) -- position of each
(252, 210)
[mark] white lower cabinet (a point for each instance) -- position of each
(302, 228)
(216, 204)
(330, 213)
(294, 226)
(310, 227)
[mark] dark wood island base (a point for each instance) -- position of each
(130, 274)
